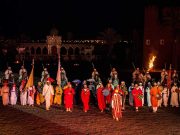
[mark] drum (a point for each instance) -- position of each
(106, 92)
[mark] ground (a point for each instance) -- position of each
(25, 120)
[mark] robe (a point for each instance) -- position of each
(48, 91)
(116, 105)
(100, 99)
(31, 93)
(23, 95)
(108, 98)
(155, 92)
(148, 96)
(85, 95)
(130, 96)
(136, 92)
(58, 95)
(165, 96)
(68, 97)
(5, 95)
(174, 97)
(13, 98)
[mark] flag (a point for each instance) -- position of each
(30, 81)
(169, 78)
(58, 77)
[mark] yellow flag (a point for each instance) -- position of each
(30, 81)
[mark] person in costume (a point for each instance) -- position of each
(137, 96)
(94, 74)
(165, 95)
(22, 74)
(44, 75)
(68, 97)
(116, 103)
(23, 93)
(155, 96)
(31, 92)
(100, 98)
(8, 73)
(39, 96)
(58, 95)
(174, 96)
(142, 89)
(13, 97)
(160, 87)
(125, 93)
(164, 73)
(135, 75)
(48, 91)
(130, 94)
(113, 74)
(175, 77)
(85, 96)
(64, 79)
(5, 93)
(148, 96)
(109, 87)
(92, 89)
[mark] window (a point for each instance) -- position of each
(147, 42)
(161, 41)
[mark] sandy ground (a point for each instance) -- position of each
(25, 120)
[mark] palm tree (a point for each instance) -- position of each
(110, 38)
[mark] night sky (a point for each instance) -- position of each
(84, 18)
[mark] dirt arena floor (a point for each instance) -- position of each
(25, 120)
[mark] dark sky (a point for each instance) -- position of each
(85, 18)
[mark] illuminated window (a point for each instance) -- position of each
(161, 41)
(147, 42)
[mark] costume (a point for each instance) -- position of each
(137, 95)
(148, 96)
(8, 73)
(160, 100)
(130, 95)
(5, 95)
(13, 97)
(48, 91)
(174, 96)
(22, 74)
(68, 98)
(85, 95)
(100, 99)
(165, 96)
(125, 92)
(142, 89)
(44, 75)
(58, 95)
(23, 93)
(155, 94)
(31, 92)
(117, 104)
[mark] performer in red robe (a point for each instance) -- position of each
(108, 97)
(100, 98)
(117, 103)
(85, 95)
(68, 97)
(137, 95)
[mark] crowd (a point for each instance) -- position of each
(113, 96)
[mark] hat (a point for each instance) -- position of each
(49, 79)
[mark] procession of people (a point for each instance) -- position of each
(112, 97)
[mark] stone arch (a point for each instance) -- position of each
(77, 51)
(54, 50)
(70, 51)
(38, 51)
(63, 51)
(32, 50)
(45, 51)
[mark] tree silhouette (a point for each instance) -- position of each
(110, 38)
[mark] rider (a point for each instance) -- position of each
(22, 73)
(44, 75)
(8, 73)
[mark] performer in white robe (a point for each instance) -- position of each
(160, 87)
(148, 96)
(48, 91)
(31, 91)
(44, 75)
(5, 93)
(13, 98)
(23, 93)
(142, 89)
(165, 95)
(174, 96)
(8, 73)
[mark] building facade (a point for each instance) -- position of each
(162, 35)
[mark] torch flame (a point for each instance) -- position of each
(151, 62)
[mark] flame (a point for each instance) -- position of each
(151, 62)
